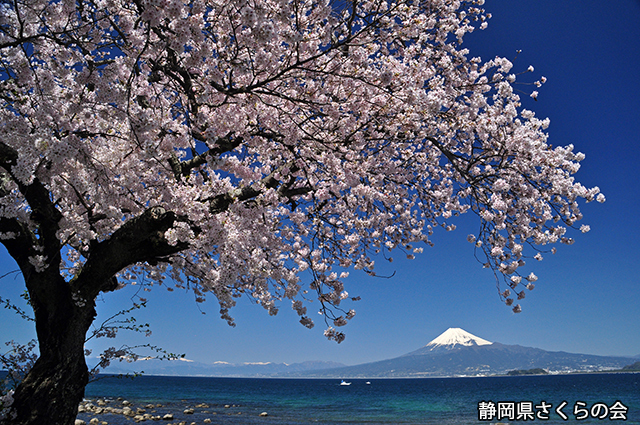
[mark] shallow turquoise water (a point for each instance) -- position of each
(445, 401)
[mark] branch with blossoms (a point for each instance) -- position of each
(239, 148)
(129, 354)
(110, 327)
(20, 358)
(11, 306)
(18, 361)
(220, 137)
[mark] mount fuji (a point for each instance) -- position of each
(457, 352)
(453, 337)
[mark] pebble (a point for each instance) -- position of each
(140, 414)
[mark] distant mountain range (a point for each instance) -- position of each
(459, 353)
(453, 353)
(183, 367)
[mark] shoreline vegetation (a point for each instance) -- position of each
(521, 372)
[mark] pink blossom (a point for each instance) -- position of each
(276, 147)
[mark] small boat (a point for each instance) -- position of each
(343, 382)
(368, 383)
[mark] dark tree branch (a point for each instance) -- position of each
(43, 211)
(222, 145)
(140, 239)
(221, 203)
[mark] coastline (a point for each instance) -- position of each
(106, 411)
(385, 401)
(365, 377)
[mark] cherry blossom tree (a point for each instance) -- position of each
(256, 147)
(18, 359)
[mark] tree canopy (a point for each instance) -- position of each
(259, 147)
(231, 145)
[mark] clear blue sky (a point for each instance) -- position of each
(587, 299)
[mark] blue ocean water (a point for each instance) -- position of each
(602, 398)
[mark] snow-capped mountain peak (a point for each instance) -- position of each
(456, 336)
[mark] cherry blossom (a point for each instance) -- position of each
(264, 148)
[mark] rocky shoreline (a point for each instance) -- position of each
(112, 412)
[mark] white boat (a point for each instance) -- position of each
(344, 383)
(368, 383)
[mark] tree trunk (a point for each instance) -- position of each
(52, 390)
(64, 311)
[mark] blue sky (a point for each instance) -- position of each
(587, 297)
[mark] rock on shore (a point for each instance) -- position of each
(149, 412)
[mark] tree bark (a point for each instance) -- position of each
(64, 311)
(52, 390)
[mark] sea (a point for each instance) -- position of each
(550, 399)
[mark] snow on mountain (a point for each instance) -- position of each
(459, 353)
(180, 367)
(456, 336)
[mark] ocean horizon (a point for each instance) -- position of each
(550, 399)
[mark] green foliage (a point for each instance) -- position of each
(634, 366)
(536, 371)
